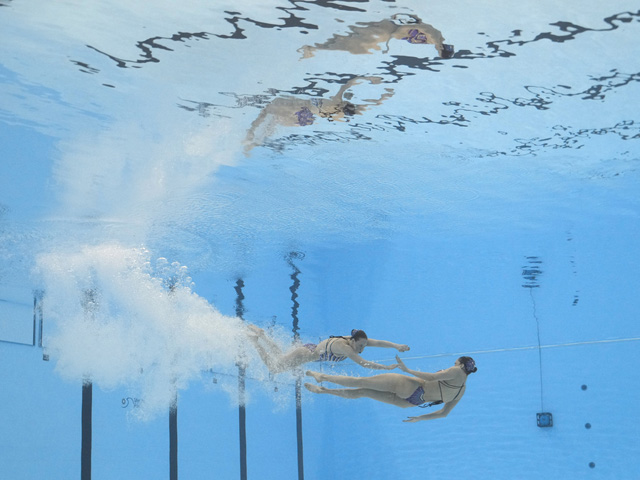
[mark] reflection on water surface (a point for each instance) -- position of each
(316, 166)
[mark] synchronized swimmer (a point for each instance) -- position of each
(446, 386)
(333, 349)
(419, 389)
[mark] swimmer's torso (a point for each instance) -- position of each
(330, 350)
(446, 390)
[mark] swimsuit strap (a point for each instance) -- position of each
(438, 402)
(446, 384)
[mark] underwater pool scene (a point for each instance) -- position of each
(188, 188)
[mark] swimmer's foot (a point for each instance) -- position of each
(306, 51)
(254, 332)
(314, 388)
(317, 376)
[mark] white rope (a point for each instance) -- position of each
(516, 349)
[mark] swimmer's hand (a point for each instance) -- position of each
(401, 364)
(391, 367)
(412, 420)
(403, 348)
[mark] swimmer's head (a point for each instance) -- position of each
(359, 340)
(468, 364)
(349, 109)
(358, 334)
(445, 50)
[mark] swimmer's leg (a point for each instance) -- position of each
(351, 393)
(270, 358)
(400, 385)
(277, 362)
(255, 333)
(296, 357)
(253, 330)
(267, 358)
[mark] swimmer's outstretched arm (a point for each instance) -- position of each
(448, 374)
(361, 361)
(384, 344)
(443, 412)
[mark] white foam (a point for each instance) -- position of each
(117, 322)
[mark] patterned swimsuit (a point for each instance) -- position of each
(327, 355)
(417, 399)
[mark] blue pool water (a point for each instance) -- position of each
(462, 178)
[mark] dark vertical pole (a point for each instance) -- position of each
(87, 404)
(299, 428)
(173, 439)
(173, 409)
(530, 273)
(242, 424)
(90, 305)
(242, 414)
(294, 314)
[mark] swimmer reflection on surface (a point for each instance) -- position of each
(333, 349)
(368, 36)
(301, 112)
(446, 386)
